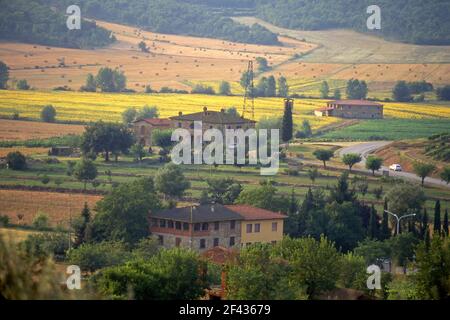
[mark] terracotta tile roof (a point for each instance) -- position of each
(213, 117)
(253, 213)
(355, 103)
(157, 122)
(325, 109)
(220, 255)
(205, 213)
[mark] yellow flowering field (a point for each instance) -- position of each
(82, 106)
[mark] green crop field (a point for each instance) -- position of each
(390, 129)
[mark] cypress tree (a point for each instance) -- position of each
(80, 230)
(373, 224)
(445, 230)
(287, 124)
(437, 217)
(385, 232)
(424, 224)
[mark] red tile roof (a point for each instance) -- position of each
(157, 122)
(253, 213)
(355, 103)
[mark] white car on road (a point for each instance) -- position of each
(395, 167)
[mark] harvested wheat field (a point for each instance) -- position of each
(22, 206)
(14, 130)
(171, 62)
(24, 150)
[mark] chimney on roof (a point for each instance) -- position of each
(212, 208)
(222, 110)
(205, 109)
(180, 113)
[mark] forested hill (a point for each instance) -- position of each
(29, 21)
(413, 21)
(172, 17)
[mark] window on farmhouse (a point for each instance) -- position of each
(170, 224)
(202, 243)
(162, 223)
(216, 226)
(197, 227)
(249, 228)
(257, 227)
(232, 241)
(178, 225)
(274, 226)
(204, 227)
(185, 226)
(216, 242)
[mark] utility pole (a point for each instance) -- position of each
(249, 91)
(399, 219)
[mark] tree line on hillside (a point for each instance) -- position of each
(172, 17)
(413, 21)
(31, 21)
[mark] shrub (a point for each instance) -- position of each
(46, 244)
(16, 161)
(40, 221)
(4, 221)
(22, 85)
(48, 114)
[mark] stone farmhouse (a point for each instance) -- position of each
(351, 109)
(204, 227)
(210, 119)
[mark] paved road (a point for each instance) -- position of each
(364, 149)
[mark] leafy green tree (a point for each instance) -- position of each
(350, 159)
(283, 88)
(445, 175)
(306, 128)
(138, 151)
(373, 250)
(324, 90)
(341, 192)
(437, 218)
(337, 94)
(287, 124)
(443, 93)
(313, 262)
(323, 155)
(401, 92)
(40, 221)
(258, 275)
(46, 244)
(16, 161)
(313, 174)
(48, 114)
(129, 115)
(224, 88)
(174, 274)
(143, 47)
(405, 198)
(85, 171)
(352, 272)
(22, 85)
(373, 163)
(402, 248)
(433, 273)
(263, 65)
(423, 170)
(122, 214)
(45, 179)
(223, 190)
(94, 256)
(245, 79)
(148, 112)
(265, 197)
(356, 89)
(171, 181)
(109, 80)
(107, 138)
(4, 75)
(91, 84)
(232, 111)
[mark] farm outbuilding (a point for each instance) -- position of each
(351, 109)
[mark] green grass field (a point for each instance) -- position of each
(390, 129)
